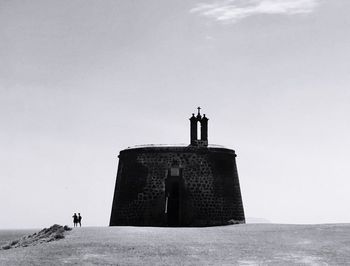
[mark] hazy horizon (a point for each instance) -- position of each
(82, 80)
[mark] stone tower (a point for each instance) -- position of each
(194, 185)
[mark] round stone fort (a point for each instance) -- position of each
(194, 185)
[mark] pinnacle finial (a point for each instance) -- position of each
(199, 110)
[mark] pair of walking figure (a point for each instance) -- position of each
(77, 219)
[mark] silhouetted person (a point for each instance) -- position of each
(79, 219)
(75, 220)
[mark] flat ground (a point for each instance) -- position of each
(250, 244)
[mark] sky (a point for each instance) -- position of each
(81, 80)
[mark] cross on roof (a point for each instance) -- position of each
(199, 109)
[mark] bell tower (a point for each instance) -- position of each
(203, 120)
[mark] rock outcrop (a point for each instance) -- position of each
(53, 233)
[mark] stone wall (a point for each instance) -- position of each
(209, 187)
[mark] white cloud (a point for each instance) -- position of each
(234, 10)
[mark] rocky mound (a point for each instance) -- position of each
(53, 233)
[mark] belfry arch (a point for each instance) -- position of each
(199, 127)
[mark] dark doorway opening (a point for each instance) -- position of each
(173, 197)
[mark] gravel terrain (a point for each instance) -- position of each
(250, 244)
